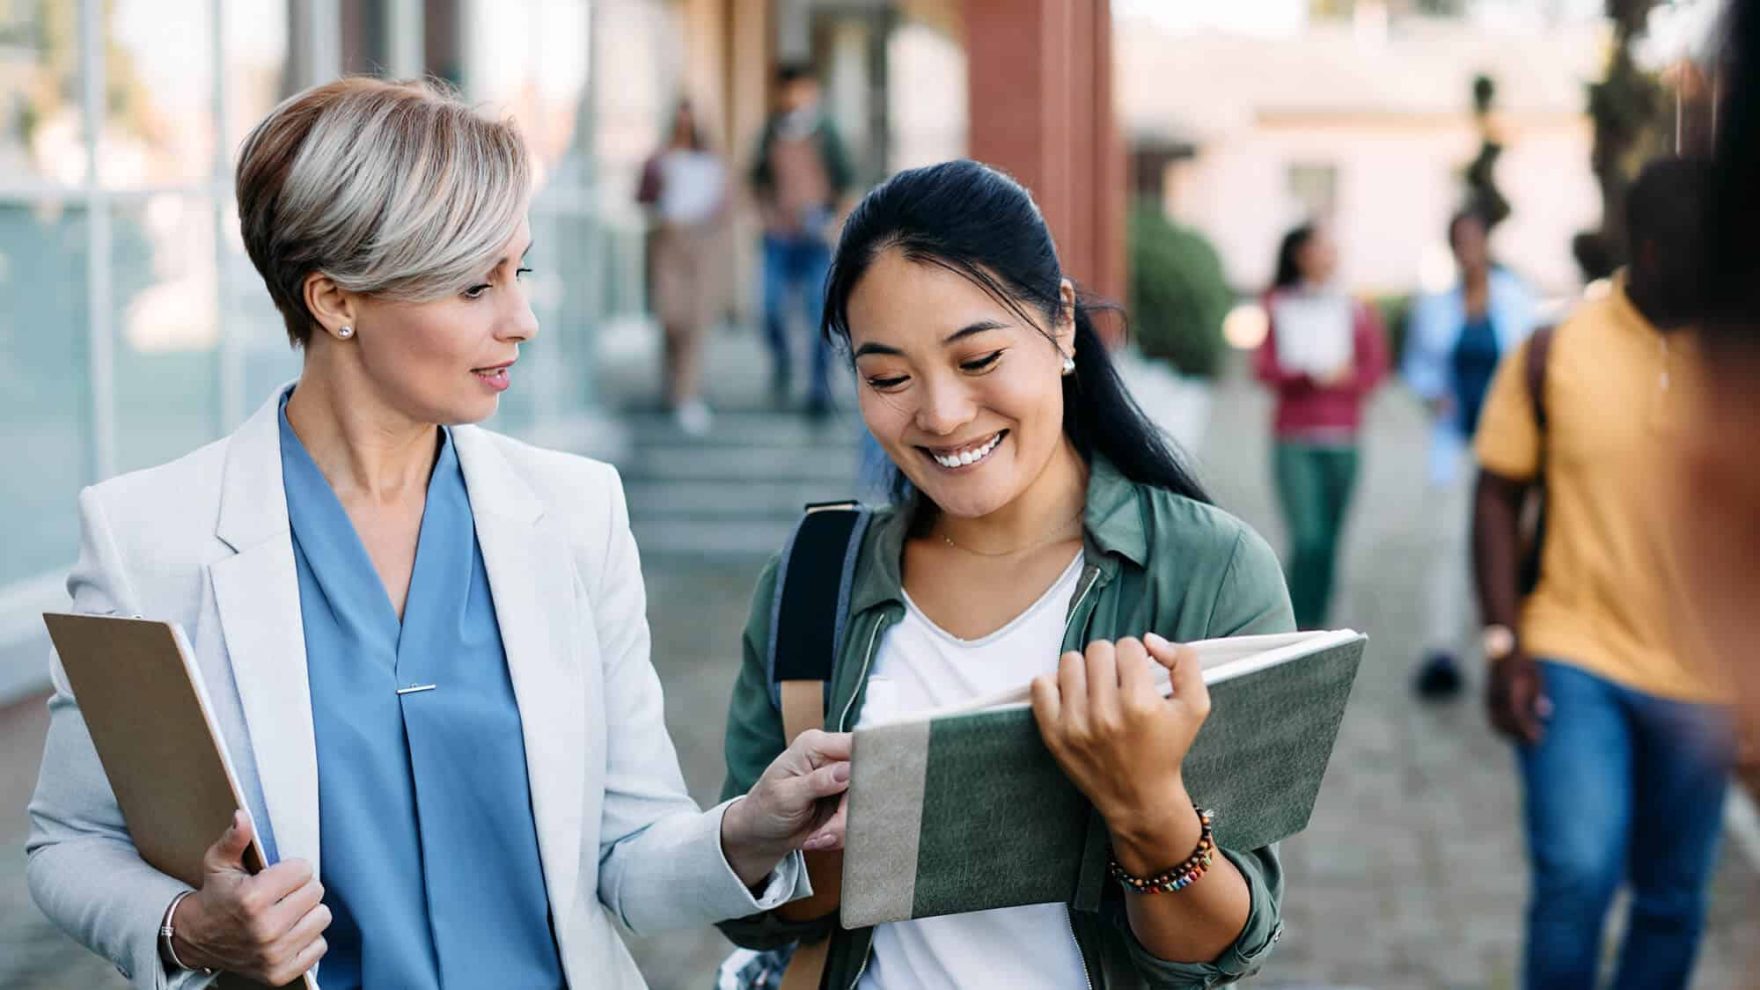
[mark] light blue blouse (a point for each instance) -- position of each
(1436, 324)
(430, 856)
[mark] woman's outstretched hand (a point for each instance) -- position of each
(787, 809)
(1116, 736)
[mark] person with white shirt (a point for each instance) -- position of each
(1322, 358)
(1454, 341)
(684, 185)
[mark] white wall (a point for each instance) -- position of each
(926, 97)
(1397, 183)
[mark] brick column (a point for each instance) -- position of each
(1040, 91)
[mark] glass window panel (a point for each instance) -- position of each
(42, 126)
(269, 363)
(166, 326)
(529, 58)
(159, 107)
(45, 397)
(518, 409)
(630, 113)
(252, 324)
(257, 76)
(577, 302)
(366, 41)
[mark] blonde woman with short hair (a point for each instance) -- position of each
(424, 642)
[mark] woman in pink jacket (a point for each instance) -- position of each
(1324, 354)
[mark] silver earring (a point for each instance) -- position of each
(1069, 365)
(345, 332)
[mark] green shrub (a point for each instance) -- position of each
(1178, 294)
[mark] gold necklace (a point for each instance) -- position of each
(1057, 535)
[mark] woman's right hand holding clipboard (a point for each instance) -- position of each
(268, 927)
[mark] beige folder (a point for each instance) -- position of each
(150, 720)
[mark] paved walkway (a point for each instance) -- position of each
(1411, 874)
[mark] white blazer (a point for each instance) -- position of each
(204, 541)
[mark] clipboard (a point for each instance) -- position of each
(150, 720)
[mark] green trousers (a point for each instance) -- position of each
(1314, 485)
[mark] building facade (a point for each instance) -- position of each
(133, 327)
(1369, 127)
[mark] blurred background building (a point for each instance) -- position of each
(133, 328)
(1362, 119)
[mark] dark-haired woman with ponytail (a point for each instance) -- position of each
(1323, 356)
(1041, 530)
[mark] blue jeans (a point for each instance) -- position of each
(1623, 787)
(794, 272)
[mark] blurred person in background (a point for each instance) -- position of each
(1455, 341)
(800, 175)
(684, 186)
(1623, 740)
(425, 643)
(1023, 471)
(1323, 356)
(1718, 499)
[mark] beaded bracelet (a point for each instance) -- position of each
(1176, 877)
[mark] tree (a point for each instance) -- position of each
(1483, 196)
(1627, 110)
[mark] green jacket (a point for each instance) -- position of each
(1155, 561)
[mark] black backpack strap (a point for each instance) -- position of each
(1534, 370)
(1535, 510)
(811, 603)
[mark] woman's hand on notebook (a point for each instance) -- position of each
(1120, 740)
(794, 805)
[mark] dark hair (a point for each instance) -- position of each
(1665, 208)
(679, 111)
(1732, 253)
(1289, 267)
(1469, 215)
(789, 72)
(980, 224)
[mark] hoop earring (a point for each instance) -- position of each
(345, 332)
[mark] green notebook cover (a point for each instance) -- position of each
(968, 812)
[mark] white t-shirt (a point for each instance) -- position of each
(1315, 330)
(691, 186)
(921, 666)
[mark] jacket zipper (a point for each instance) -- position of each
(1092, 577)
(862, 678)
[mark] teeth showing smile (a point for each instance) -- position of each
(969, 456)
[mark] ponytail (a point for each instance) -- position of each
(1101, 417)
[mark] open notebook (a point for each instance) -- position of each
(963, 809)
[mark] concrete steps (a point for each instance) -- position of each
(737, 492)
